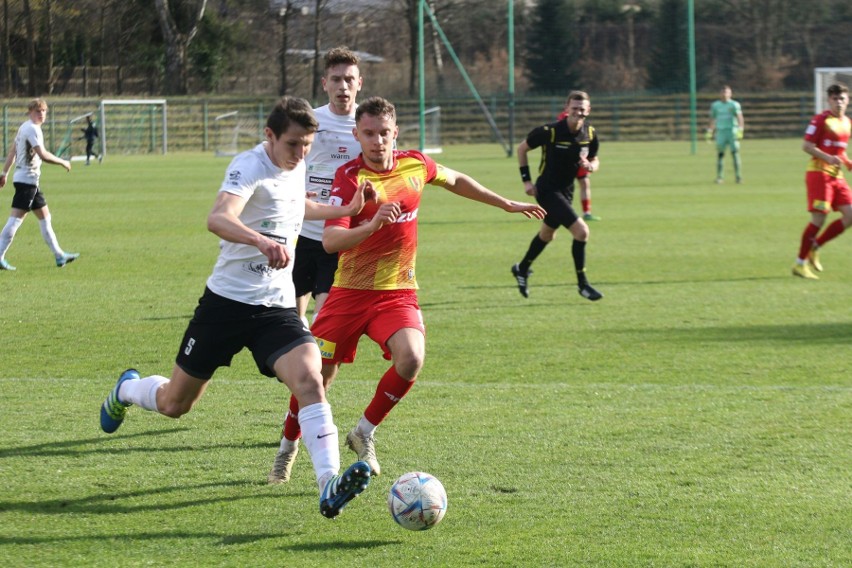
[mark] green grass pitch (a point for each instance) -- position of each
(699, 415)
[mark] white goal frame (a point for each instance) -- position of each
(824, 77)
(68, 142)
(104, 127)
(432, 122)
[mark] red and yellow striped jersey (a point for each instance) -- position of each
(830, 134)
(385, 260)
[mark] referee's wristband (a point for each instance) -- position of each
(525, 173)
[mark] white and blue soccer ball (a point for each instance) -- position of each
(417, 501)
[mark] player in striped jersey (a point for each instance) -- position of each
(375, 288)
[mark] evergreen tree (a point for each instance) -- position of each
(552, 47)
(669, 67)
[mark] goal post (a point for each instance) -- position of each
(66, 148)
(236, 131)
(824, 77)
(410, 130)
(133, 126)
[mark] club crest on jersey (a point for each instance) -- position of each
(415, 183)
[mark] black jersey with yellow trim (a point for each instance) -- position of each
(561, 150)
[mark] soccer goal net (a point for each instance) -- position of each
(824, 77)
(73, 146)
(409, 130)
(137, 126)
(234, 132)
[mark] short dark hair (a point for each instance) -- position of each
(338, 55)
(288, 110)
(837, 89)
(375, 106)
(577, 96)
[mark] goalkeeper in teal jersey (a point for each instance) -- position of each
(726, 126)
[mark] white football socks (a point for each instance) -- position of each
(365, 427)
(8, 234)
(142, 391)
(49, 236)
(320, 437)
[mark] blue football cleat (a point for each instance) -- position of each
(113, 410)
(341, 489)
(66, 258)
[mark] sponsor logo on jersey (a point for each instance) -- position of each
(258, 268)
(189, 345)
(407, 216)
(341, 156)
(320, 180)
(234, 177)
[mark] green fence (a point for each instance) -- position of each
(191, 125)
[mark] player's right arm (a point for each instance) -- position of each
(336, 238)
(10, 159)
(524, 164)
(224, 222)
(812, 149)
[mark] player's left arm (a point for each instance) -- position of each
(465, 186)
(592, 164)
(51, 158)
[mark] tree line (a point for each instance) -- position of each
(258, 47)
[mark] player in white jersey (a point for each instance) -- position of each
(249, 301)
(314, 268)
(27, 153)
(334, 145)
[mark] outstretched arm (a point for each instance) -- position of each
(465, 186)
(318, 211)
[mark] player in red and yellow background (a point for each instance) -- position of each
(826, 139)
(375, 287)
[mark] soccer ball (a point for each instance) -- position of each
(417, 501)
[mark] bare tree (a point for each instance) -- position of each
(284, 14)
(177, 44)
(319, 6)
(51, 74)
(31, 58)
(7, 45)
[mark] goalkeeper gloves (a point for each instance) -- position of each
(708, 135)
(740, 133)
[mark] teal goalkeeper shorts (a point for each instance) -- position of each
(725, 138)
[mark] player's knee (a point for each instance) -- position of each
(409, 365)
(580, 231)
(547, 235)
(174, 409)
